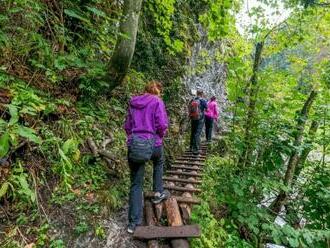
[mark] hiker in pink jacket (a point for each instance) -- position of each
(210, 115)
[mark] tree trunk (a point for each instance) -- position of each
(308, 148)
(124, 50)
(245, 158)
(295, 156)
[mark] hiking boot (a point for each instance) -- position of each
(195, 153)
(159, 197)
(131, 228)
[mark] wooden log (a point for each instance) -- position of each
(106, 142)
(174, 219)
(179, 199)
(201, 152)
(186, 167)
(183, 189)
(150, 220)
(107, 155)
(185, 208)
(159, 210)
(155, 232)
(189, 159)
(189, 156)
(188, 163)
(159, 207)
(184, 173)
(92, 146)
(182, 180)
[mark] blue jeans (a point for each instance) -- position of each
(136, 190)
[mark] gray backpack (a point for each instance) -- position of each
(140, 150)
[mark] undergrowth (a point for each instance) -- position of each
(234, 210)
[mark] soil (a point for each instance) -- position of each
(116, 235)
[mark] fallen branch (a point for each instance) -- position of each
(105, 143)
(108, 157)
(92, 146)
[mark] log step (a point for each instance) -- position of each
(194, 156)
(203, 150)
(188, 163)
(183, 189)
(156, 232)
(179, 199)
(203, 153)
(189, 159)
(185, 168)
(184, 173)
(181, 180)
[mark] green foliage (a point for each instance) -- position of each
(17, 186)
(24, 104)
(54, 58)
(213, 233)
(69, 155)
(163, 12)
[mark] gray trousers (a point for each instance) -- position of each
(196, 131)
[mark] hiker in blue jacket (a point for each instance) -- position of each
(197, 107)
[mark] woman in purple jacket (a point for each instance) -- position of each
(146, 118)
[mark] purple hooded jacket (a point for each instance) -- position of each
(146, 117)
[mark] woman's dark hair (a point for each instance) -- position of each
(213, 98)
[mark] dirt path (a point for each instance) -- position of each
(116, 235)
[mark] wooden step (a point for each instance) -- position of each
(157, 232)
(194, 156)
(191, 158)
(182, 180)
(188, 163)
(179, 199)
(186, 168)
(189, 154)
(184, 173)
(183, 189)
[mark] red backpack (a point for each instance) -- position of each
(195, 112)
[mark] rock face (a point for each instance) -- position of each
(206, 71)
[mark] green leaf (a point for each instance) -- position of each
(74, 14)
(4, 144)
(25, 187)
(64, 157)
(28, 133)
(97, 11)
(3, 189)
(69, 146)
(13, 113)
(2, 123)
(293, 242)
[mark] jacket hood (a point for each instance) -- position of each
(140, 102)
